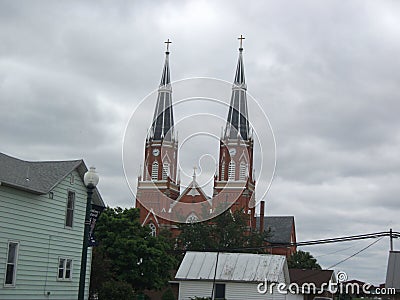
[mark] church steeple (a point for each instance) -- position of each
(237, 125)
(162, 127)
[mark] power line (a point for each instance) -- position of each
(393, 234)
(358, 252)
(337, 251)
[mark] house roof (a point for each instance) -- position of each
(39, 177)
(318, 277)
(243, 267)
(393, 270)
(279, 228)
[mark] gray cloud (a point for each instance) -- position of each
(326, 73)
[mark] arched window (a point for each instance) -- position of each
(153, 229)
(222, 177)
(192, 218)
(154, 171)
(243, 171)
(165, 172)
(231, 170)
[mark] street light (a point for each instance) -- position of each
(91, 179)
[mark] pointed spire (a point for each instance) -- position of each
(237, 126)
(163, 119)
(239, 76)
(165, 78)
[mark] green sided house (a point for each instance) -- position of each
(42, 212)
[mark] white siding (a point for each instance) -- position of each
(290, 296)
(191, 289)
(248, 291)
(38, 223)
(233, 291)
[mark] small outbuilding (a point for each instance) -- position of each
(393, 274)
(233, 276)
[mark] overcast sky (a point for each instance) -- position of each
(326, 73)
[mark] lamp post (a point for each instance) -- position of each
(90, 179)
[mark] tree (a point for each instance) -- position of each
(226, 231)
(303, 260)
(116, 290)
(132, 254)
(168, 295)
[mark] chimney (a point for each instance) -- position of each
(262, 216)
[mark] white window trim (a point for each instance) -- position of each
(192, 218)
(243, 171)
(65, 269)
(153, 229)
(232, 171)
(15, 264)
(165, 171)
(154, 171)
(73, 210)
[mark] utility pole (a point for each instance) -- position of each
(391, 239)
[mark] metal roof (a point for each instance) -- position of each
(162, 127)
(237, 125)
(39, 177)
(243, 267)
(393, 270)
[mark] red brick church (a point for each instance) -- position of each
(158, 192)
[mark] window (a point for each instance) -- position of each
(153, 229)
(165, 173)
(69, 216)
(51, 195)
(64, 269)
(11, 264)
(243, 171)
(222, 177)
(231, 170)
(154, 171)
(192, 218)
(219, 291)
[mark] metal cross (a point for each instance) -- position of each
(241, 38)
(194, 171)
(168, 42)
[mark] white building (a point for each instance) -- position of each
(237, 275)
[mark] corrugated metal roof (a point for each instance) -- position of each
(232, 267)
(393, 270)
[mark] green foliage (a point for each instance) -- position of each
(303, 260)
(168, 295)
(226, 231)
(116, 290)
(132, 254)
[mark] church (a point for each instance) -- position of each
(159, 196)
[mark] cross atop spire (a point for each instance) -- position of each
(241, 38)
(167, 42)
(194, 172)
(237, 126)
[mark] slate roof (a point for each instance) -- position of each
(393, 271)
(237, 125)
(240, 267)
(39, 177)
(162, 127)
(301, 276)
(278, 227)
